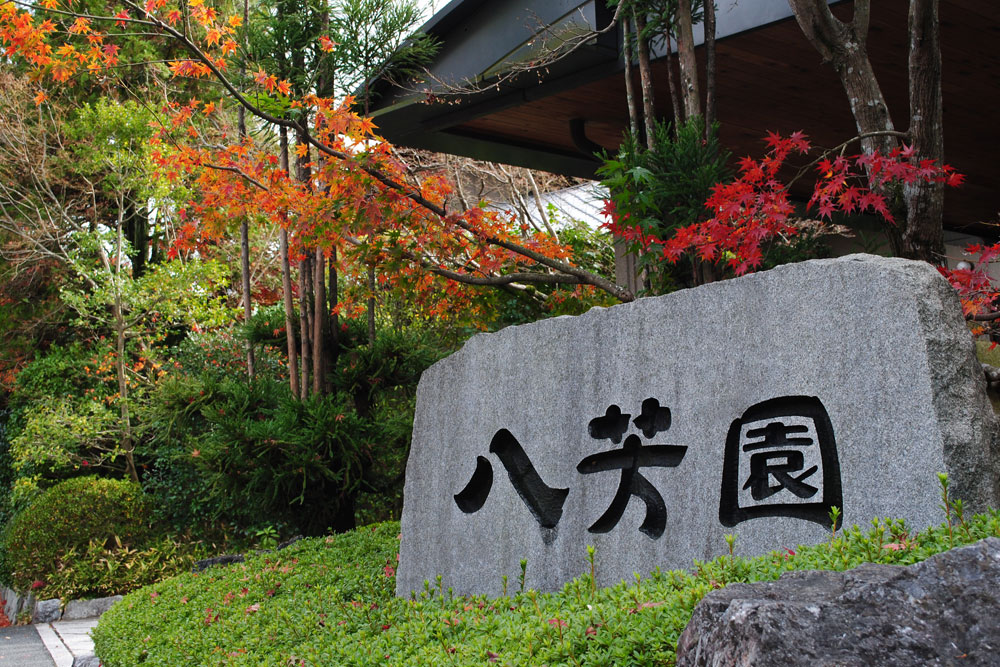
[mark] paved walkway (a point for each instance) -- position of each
(46, 644)
(20, 646)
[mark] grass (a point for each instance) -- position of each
(329, 601)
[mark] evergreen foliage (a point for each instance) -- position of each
(665, 187)
(330, 601)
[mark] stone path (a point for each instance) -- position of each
(59, 644)
(68, 640)
(20, 646)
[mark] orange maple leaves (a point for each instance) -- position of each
(358, 199)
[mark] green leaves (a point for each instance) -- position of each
(329, 601)
(665, 188)
(56, 529)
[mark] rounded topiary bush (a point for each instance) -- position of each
(61, 527)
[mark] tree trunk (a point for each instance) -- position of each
(303, 173)
(709, 68)
(645, 78)
(244, 227)
(286, 287)
(127, 445)
(923, 234)
(633, 112)
(245, 282)
(118, 313)
(334, 317)
(320, 327)
(690, 93)
(305, 324)
(843, 45)
(371, 305)
(286, 293)
(671, 84)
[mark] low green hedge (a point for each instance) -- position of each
(91, 537)
(64, 522)
(329, 601)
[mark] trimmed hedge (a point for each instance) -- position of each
(75, 517)
(329, 601)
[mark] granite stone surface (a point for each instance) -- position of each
(14, 603)
(652, 429)
(79, 609)
(943, 611)
(47, 611)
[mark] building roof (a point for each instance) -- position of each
(577, 203)
(770, 78)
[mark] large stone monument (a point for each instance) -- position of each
(650, 430)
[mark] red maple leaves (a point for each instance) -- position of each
(755, 207)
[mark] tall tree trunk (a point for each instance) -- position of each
(118, 312)
(128, 446)
(334, 317)
(245, 282)
(303, 174)
(709, 67)
(244, 227)
(286, 286)
(305, 323)
(320, 325)
(371, 305)
(671, 84)
(633, 112)
(843, 45)
(287, 299)
(923, 236)
(325, 335)
(690, 93)
(645, 78)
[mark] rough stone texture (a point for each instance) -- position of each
(86, 661)
(880, 343)
(47, 611)
(15, 604)
(944, 611)
(77, 609)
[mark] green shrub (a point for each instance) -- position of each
(664, 188)
(69, 372)
(219, 450)
(329, 601)
(270, 457)
(55, 530)
(100, 569)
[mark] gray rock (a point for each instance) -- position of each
(47, 611)
(16, 604)
(944, 611)
(26, 604)
(77, 609)
(86, 661)
(863, 357)
(11, 605)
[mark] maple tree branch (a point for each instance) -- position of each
(236, 170)
(823, 30)
(585, 276)
(208, 62)
(502, 280)
(497, 281)
(841, 146)
(89, 17)
(862, 17)
(983, 317)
